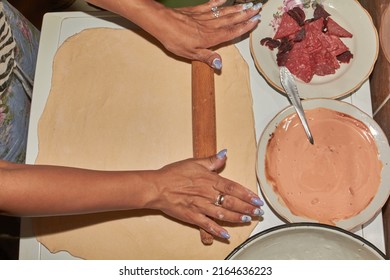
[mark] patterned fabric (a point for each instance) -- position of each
(18, 52)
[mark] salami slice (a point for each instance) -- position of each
(335, 29)
(299, 64)
(288, 26)
(315, 26)
(333, 44)
(324, 63)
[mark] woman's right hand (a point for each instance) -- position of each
(191, 32)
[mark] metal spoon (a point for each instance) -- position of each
(291, 89)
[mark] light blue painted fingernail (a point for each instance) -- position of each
(257, 6)
(258, 212)
(255, 18)
(246, 218)
(222, 154)
(217, 64)
(225, 234)
(246, 6)
(257, 201)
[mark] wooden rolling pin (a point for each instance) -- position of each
(204, 139)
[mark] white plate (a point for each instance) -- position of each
(306, 241)
(349, 77)
(384, 155)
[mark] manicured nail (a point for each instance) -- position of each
(257, 6)
(257, 201)
(222, 154)
(246, 6)
(224, 234)
(217, 64)
(258, 212)
(255, 18)
(246, 218)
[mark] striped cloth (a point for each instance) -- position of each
(7, 48)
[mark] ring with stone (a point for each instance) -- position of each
(215, 12)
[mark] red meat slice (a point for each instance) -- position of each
(299, 64)
(345, 57)
(333, 44)
(311, 42)
(270, 43)
(315, 26)
(298, 15)
(335, 29)
(324, 63)
(287, 27)
(319, 12)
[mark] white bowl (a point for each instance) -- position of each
(306, 241)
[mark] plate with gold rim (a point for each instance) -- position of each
(364, 45)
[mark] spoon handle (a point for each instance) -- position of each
(291, 89)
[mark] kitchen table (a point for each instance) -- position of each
(266, 104)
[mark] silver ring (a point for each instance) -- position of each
(216, 13)
(219, 200)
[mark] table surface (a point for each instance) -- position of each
(266, 104)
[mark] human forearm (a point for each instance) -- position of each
(35, 190)
(186, 190)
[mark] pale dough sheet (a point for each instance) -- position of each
(118, 101)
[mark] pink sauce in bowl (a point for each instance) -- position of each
(336, 181)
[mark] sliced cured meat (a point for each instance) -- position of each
(300, 35)
(298, 15)
(315, 26)
(310, 43)
(288, 26)
(299, 64)
(283, 51)
(335, 29)
(345, 57)
(270, 43)
(309, 47)
(333, 44)
(324, 63)
(320, 12)
(281, 58)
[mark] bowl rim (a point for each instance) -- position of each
(277, 228)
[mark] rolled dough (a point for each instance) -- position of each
(118, 101)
